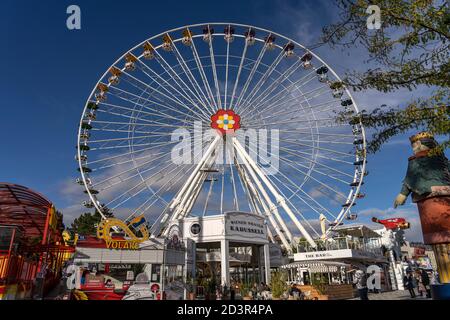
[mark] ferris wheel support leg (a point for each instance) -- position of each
(257, 202)
(271, 208)
(188, 200)
(176, 204)
(202, 161)
(281, 201)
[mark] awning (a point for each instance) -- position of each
(318, 266)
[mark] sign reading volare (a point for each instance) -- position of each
(246, 225)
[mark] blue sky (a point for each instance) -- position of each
(49, 71)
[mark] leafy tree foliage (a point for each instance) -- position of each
(411, 49)
(86, 224)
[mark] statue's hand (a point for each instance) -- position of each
(400, 200)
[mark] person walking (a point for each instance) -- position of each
(361, 284)
(425, 279)
(420, 285)
(409, 284)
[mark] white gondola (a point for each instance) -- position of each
(130, 66)
(289, 50)
(270, 42)
(306, 60)
(207, 33)
(322, 74)
(250, 37)
(229, 34)
(114, 80)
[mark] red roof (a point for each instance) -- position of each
(23, 207)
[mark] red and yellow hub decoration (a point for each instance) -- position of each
(226, 121)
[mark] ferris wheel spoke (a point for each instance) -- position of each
(299, 99)
(277, 82)
(214, 71)
(128, 178)
(323, 149)
(115, 176)
(323, 165)
(295, 193)
(291, 108)
(287, 91)
(134, 169)
(226, 76)
(114, 147)
(252, 73)
(121, 96)
(147, 121)
(236, 82)
(191, 78)
(320, 172)
(177, 79)
(121, 155)
(129, 138)
(155, 197)
(179, 177)
(202, 73)
(323, 141)
(155, 193)
(147, 124)
(306, 132)
(300, 129)
(302, 172)
(325, 120)
(281, 200)
(340, 194)
(119, 163)
(127, 192)
(246, 102)
(133, 160)
(158, 114)
(160, 78)
(172, 98)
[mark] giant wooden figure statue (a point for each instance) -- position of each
(428, 181)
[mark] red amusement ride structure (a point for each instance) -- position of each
(31, 246)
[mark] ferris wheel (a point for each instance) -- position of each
(212, 118)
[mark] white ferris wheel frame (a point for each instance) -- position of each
(187, 194)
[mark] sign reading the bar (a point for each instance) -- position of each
(335, 254)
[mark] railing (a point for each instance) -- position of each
(15, 268)
(339, 243)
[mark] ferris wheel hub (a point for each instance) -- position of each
(226, 121)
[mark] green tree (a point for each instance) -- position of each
(278, 284)
(411, 49)
(86, 224)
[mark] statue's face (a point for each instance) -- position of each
(418, 147)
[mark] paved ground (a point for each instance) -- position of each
(393, 295)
